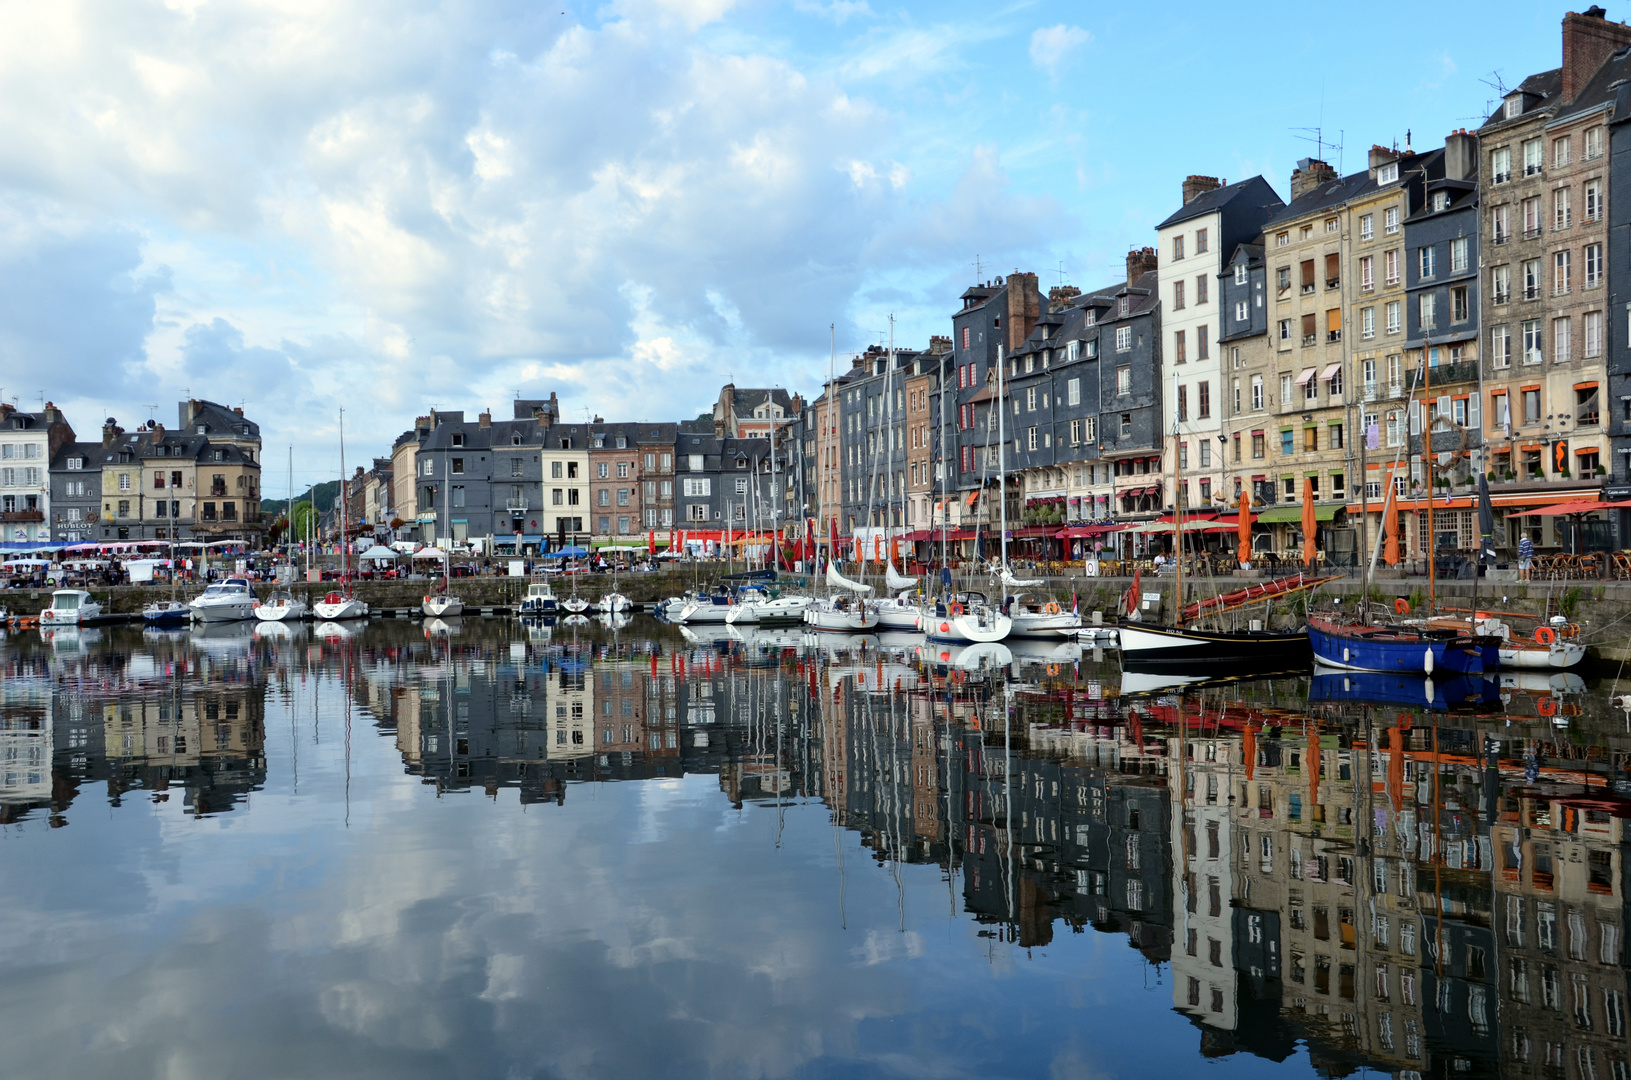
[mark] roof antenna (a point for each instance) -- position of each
(977, 268)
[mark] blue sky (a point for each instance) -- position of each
(302, 204)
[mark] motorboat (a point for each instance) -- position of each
(966, 618)
(613, 603)
(166, 613)
(231, 600)
(281, 606)
(760, 608)
(1554, 646)
(1422, 650)
(70, 607)
(1041, 618)
(1105, 637)
(540, 600)
(336, 606)
(441, 605)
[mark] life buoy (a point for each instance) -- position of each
(956, 609)
(1545, 635)
(1546, 706)
(1053, 669)
(959, 676)
(1052, 608)
(1402, 606)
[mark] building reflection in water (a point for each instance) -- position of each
(1416, 880)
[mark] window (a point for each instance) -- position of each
(1531, 157)
(1390, 265)
(603, 469)
(571, 496)
(1241, 273)
(1258, 449)
(1030, 438)
(1560, 151)
(1393, 316)
(1179, 352)
(1562, 211)
(1242, 311)
(1428, 311)
(1586, 409)
(1594, 201)
(1387, 174)
(1200, 241)
(1460, 304)
(1531, 216)
(1183, 403)
(1124, 338)
(1309, 331)
(1594, 143)
(1367, 227)
(458, 495)
(1592, 325)
(1500, 284)
(1390, 217)
(1531, 405)
(1500, 346)
(1562, 339)
(1367, 273)
(1178, 246)
(1594, 265)
(1532, 353)
(1124, 381)
(1367, 323)
(1287, 443)
(1311, 439)
(1306, 275)
(1282, 239)
(1531, 279)
(1500, 165)
(1282, 278)
(1425, 257)
(1126, 425)
(1285, 389)
(1203, 400)
(701, 486)
(1201, 289)
(1177, 295)
(1257, 392)
(1501, 223)
(1458, 255)
(1285, 330)
(1030, 399)
(458, 466)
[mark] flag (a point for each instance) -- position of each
(1133, 592)
(1373, 437)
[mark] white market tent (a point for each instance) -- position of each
(378, 553)
(430, 553)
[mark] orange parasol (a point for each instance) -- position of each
(1390, 522)
(1309, 524)
(1313, 765)
(1245, 555)
(1250, 749)
(1395, 767)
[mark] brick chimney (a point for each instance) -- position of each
(1198, 185)
(1060, 296)
(1309, 174)
(110, 430)
(1588, 40)
(1140, 261)
(1024, 307)
(484, 418)
(939, 344)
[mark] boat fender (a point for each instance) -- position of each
(956, 609)
(1052, 608)
(1546, 706)
(1545, 635)
(1427, 661)
(1402, 606)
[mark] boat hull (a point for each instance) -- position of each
(786, 611)
(1245, 650)
(229, 611)
(1043, 625)
(855, 619)
(613, 603)
(165, 614)
(897, 617)
(441, 607)
(1555, 657)
(344, 609)
(968, 629)
(1360, 648)
(281, 612)
(704, 613)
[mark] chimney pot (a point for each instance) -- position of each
(1140, 261)
(1198, 185)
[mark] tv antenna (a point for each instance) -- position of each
(1059, 272)
(977, 266)
(1316, 135)
(151, 409)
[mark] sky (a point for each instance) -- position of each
(308, 205)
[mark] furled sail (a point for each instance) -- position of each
(839, 581)
(895, 581)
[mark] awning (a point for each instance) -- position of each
(1308, 373)
(972, 496)
(1330, 371)
(1579, 507)
(1291, 515)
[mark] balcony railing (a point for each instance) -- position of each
(516, 506)
(1333, 335)
(19, 516)
(1446, 374)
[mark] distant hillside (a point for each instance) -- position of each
(326, 495)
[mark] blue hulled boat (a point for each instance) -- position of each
(1407, 690)
(1421, 650)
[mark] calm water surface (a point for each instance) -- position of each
(505, 851)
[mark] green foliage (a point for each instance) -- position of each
(1569, 603)
(326, 495)
(1415, 598)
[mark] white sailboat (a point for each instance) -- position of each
(440, 603)
(342, 603)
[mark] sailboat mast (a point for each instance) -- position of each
(1427, 460)
(345, 560)
(1002, 480)
(830, 428)
(1178, 506)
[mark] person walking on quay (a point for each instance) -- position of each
(1526, 555)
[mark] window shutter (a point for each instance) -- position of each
(1333, 264)
(1308, 324)
(1308, 271)
(1333, 320)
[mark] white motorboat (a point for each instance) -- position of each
(336, 606)
(764, 610)
(281, 606)
(1042, 618)
(1105, 637)
(441, 605)
(900, 612)
(70, 607)
(707, 608)
(231, 600)
(614, 603)
(540, 600)
(966, 618)
(1556, 645)
(166, 613)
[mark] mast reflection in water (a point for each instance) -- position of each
(391, 851)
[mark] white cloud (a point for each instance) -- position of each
(839, 11)
(1050, 45)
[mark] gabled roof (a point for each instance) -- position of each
(1251, 253)
(1328, 196)
(1546, 85)
(1255, 191)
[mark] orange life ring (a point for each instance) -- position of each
(1053, 669)
(1052, 608)
(1402, 606)
(959, 676)
(1546, 706)
(1545, 635)
(956, 608)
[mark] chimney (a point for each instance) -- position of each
(1199, 185)
(484, 418)
(1588, 40)
(158, 430)
(1060, 296)
(110, 429)
(939, 344)
(1460, 155)
(1140, 261)
(1309, 174)
(237, 410)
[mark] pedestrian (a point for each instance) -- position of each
(1526, 554)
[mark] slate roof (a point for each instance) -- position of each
(1257, 190)
(1600, 89)
(1331, 194)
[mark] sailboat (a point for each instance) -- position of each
(614, 602)
(842, 612)
(1254, 649)
(342, 603)
(440, 603)
(283, 605)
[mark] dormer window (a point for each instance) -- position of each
(202, 429)
(1388, 173)
(1125, 303)
(1092, 317)
(515, 440)
(1441, 200)
(1514, 106)
(458, 440)
(622, 442)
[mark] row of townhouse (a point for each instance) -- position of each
(535, 482)
(200, 481)
(1434, 317)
